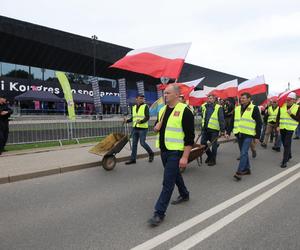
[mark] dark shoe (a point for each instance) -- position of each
(264, 145)
(247, 172)
(180, 200)
(283, 165)
(130, 162)
(151, 157)
(238, 158)
(155, 220)
(211, 163)
(207, 160)
(237, 177)
(296, 138)
(276, 149)
(254, 154)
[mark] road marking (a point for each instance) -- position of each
(207, 232)
(169, 234)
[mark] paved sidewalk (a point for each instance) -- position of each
(27, 164)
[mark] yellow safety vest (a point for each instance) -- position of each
(140, 115)
(244, 124)
(272, 114)
(213, 122)
(286, 121)
(174, 135)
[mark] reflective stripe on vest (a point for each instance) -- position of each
(140, 115)
(272, 114)
(213, 122)
(244, 124)
(286, 121)
(174, 135)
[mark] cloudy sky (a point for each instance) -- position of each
(245, 38)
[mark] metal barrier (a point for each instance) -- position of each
(34, 131)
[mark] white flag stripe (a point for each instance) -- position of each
(226, 85)
(208, 89)
(170, 51)
(201, 93)
(252, 82)
(194, 83)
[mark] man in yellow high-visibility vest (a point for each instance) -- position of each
(140, 117)
(288, 119)
(247, 125)
(271, 114)
(213, 125)
(175, 138)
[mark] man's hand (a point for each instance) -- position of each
(183, 162)
(278, 129)
(256, 141)
(157, 127)
(4, 112)
(289, 111)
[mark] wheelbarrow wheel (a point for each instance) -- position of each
(109, 162)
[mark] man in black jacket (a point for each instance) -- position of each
(5, 113)
(213, 125)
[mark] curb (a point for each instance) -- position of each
(61, 170)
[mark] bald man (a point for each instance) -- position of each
(175, 128)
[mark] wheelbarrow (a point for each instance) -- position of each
(197, 152)
(108, 148)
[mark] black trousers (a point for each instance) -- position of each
(286, 138)
(4, 130)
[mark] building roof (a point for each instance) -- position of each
(30, 44)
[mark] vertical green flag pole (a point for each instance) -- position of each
(64, 82)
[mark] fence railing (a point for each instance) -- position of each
(33, 131)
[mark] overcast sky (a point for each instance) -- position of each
(237, 37)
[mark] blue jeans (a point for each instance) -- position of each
(172, 176)
(263, 132)
(277, 143)
(210, 136)
(136, 135)
(244, 145)
(297, 132)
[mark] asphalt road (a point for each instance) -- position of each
(95, 209)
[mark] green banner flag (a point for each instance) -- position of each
(64, 82)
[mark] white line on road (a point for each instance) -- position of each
(169, 234)
(207, 232)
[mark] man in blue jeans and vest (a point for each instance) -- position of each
(247, 125)
(175, 128)
(139, 119)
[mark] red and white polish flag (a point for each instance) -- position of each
(226, 89)
(253, 86)
(283, 96)
(158, 61)
(198, 97)
(187, 87)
